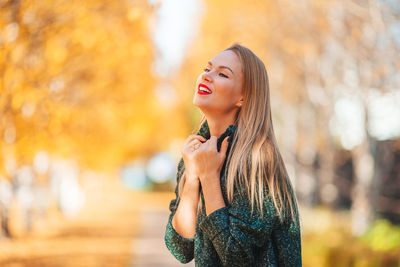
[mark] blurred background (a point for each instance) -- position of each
(96, 101)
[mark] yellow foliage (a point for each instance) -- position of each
(76, 80)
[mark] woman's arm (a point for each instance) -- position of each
(213, 198)
(181, 227)
(185, 218)
(181, 248)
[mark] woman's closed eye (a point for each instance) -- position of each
(223, 75)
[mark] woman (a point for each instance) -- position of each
(232, 165)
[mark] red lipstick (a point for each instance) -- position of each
(206, 90)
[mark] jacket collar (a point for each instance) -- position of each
(230, 131)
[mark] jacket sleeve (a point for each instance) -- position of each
(181, 248)
(235, 235)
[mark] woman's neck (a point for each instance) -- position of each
(218, 125)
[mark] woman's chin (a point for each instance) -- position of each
(200, 104)
(197, 102)
(205, 105)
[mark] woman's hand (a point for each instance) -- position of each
(207, 158)
(188, 155)
(209, 163)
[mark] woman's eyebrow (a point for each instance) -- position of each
(209, 62)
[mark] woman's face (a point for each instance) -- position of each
(224, 78)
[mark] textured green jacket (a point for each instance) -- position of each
(229, 236)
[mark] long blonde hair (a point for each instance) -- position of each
(254, 161)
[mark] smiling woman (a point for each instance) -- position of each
(232, 164)
(223, 77)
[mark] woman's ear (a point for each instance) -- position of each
(240, 102)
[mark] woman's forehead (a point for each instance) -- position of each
(226, 58)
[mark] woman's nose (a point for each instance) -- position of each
(206, 77)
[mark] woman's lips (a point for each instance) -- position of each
(202, 92)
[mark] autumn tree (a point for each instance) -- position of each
(76, 81)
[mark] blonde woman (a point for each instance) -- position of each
(234, 205)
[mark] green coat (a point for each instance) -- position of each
(229, 236)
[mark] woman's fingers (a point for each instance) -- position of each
(191, 141)
(194, 137)
(191, 144)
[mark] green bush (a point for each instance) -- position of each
(382, 236)
(380, 246)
